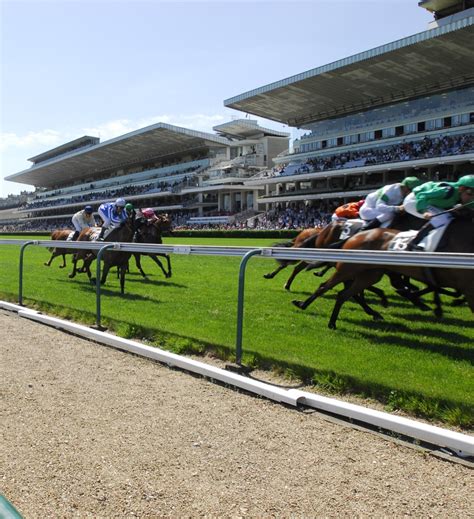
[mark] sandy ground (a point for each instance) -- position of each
(88, 431)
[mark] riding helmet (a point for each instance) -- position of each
(89, 209)
(129, 207)
(466, 181)
(411, 182)
(120, 202)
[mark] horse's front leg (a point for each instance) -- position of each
(123, 270)
(138, 264)
(74, 265)
(356, 289)
(282, 265)
(53, 255)
(64, 261)
(105, 272)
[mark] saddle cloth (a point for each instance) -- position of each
(69, 236)
(351, 227)
(429, 243)
(95, 231)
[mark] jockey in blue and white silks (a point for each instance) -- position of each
(112, 214)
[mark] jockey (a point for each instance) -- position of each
(82, 220)
(112, 214)
(347, 211)
(381, 206)
(130, 210)
(149, 214)
(432, 200)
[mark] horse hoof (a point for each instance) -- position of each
(267, 276)
(287, 287)
(299, 304)
(438, 313)
(62, 266)
(332, 326)
(378, 317)
(71, 276)
(45, 264)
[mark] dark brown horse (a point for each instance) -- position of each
(151, 232)
(124, 233)
(358, 277)
(60, 234)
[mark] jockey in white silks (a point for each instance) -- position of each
(82, 220)
(112, 214)
(381, 206)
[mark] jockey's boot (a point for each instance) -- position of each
(75, 236)
(373, 224)
(424, 231)
(101, 235)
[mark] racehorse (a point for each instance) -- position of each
(459, 237)
(151, 233)
(304, 239)
(124, 233)
(60, 234)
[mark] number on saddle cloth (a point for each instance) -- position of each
(351, 227)
(401, 240)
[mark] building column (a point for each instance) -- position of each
(200, 208)
(243, 200)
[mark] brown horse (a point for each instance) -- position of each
(151, 233)
(358, 277)
(304, 239)
(60, 234)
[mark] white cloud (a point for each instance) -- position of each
(49, 138)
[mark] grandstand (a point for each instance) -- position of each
(405, 108)
(188, 173)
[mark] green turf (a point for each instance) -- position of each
(410, 360)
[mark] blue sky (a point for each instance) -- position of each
(103, 68)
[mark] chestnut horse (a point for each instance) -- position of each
(358, 277)
(304, 239)
(151, 233)
(60, 234)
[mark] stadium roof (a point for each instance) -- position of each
(74, 145)
(152, 142)
(246, 128)
(431, 61)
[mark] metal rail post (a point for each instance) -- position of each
(97, 281)
(240, 304)
(20, 287)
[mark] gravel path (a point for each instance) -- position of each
(88, 431)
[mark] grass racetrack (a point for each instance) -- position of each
(409, 361)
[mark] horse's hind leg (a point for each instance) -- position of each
(379, 292)
(299, 267)
(64, 261)
(158, 262)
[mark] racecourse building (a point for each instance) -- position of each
(405, 108)
(194, 175)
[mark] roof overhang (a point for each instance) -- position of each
(146, 144)
(246, 129)
(425, 63)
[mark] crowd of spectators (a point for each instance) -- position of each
(296, 217)
(424, 149)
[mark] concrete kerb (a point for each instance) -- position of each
(459, 443)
